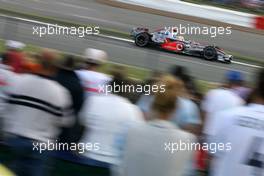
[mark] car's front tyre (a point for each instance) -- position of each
(210, 53)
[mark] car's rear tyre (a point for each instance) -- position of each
(210, 53)
(142, 39)
(179, 47)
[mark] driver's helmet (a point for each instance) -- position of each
(174, 30)
(181, 38)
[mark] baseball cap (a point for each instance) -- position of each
(95, 56)
(234, 76)
(11, 44)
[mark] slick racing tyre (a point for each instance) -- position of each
(210, 53)
(179, 47)
(142, 39)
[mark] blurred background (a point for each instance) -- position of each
(81, 64)
(243, 5)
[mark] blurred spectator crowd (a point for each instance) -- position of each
(248, 5)
(245, 2)
(47, 97)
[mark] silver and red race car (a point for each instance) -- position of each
(166, 40)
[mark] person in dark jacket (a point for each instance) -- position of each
(68, 78)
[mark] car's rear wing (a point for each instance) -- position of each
(138, 30)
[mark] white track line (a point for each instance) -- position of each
(246, 64)
(116, 38)
(110, 37)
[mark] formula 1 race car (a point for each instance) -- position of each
(178, 44)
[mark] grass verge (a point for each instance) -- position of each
(137, 73)
(246, 59)
(132, 72)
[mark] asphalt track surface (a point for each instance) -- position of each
(122, 52)
(91, 12)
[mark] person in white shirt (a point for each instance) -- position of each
(7, 79)
(219, 99)
(37, 108)
(90, 77)
(107, 117)
(145, 153)
(243, 128)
